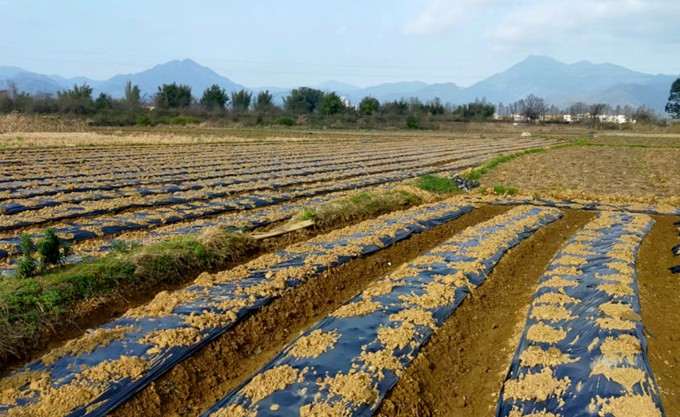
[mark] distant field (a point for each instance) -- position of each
(611, 174)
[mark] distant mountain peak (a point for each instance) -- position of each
(557, 82)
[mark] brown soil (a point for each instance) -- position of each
(659, 140)
(605, 174)
(197, 383)
(462, 368)
(660, 304)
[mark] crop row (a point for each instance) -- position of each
(122, 155)
(203, 185)
(583, 351)
(179, 169)
(140, 166)
(113, 224)
(346, 363)
(106, 225)
(235, 222)
(94, 374)
(661, 209)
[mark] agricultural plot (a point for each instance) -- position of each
(473, 305)
(104, 200)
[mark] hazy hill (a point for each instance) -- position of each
(182, 72)
(27, 81)
(559, 83)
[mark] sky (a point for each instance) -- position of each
(362, 42)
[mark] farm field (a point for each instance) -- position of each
(554, 299)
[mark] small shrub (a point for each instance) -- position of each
(27, 247)
(52, 249)
(285, 121)
(26, 267)
(412, 122)
(143, 120)
(120, 246)
(183, 120)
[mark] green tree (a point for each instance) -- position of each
(133, 99)
(331, 104)
(369, 106)
(303, 100)
(240, 100)
(77, 100)
(214, 98)
(264, 101)
(412, 122)
(396, 107)
(673, 105)
(434, 107)
(103, 102)
(477, 111)
(173, 96)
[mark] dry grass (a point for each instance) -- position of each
(23, 123)
(607, 174)
(636, 139)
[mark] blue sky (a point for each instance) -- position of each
(362, 42)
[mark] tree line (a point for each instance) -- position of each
(175, 104)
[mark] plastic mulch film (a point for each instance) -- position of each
(214, 193)
(346, 363)
(663, 210)
(243, 222)
(94, 374)
(154, 217)
(169, 195)
(583, 351)
(207, 184)
(183, 209)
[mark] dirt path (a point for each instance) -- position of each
(660, 307)
(461, 370)
(197, 383)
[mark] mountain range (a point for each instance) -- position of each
(558, 83)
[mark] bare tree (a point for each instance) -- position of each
(533, 107)
(597, 110)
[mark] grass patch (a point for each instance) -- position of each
(360, 206)
(477, 173)
(503, 190)
(586, 142)
(499, 189)
(28, 306)
(439, 185)
(306, 214)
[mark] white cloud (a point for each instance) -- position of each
(442, 15)
(548, 22)
(528, 23)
